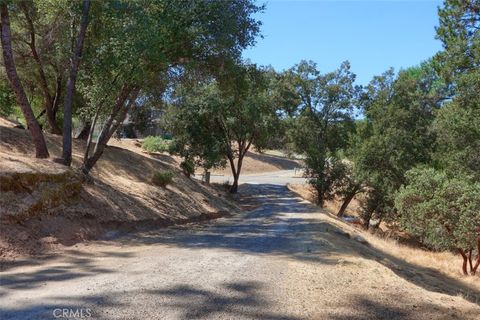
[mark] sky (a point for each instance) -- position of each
(372, 35)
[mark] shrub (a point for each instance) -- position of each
(162, 178)
(188, 168)
(443, 211)
(226, 185)
(155, 144)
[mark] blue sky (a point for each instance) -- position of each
(372, 35)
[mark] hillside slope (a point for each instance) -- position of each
(36, 217)
(256, 162)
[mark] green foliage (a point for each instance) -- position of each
(397, 135)
(443, 211)
(162, 178)
(149, 42)
(459, 30)
(141, 47)
(155, 144)
(333, 180)
(322, 121)
(212, 123)
(7, 99)
(188, 167)
(458, 138)
(457, 124)
(195, 127)
(42, 37)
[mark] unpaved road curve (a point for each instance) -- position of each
(284, 260)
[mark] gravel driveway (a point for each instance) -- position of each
(283, 260)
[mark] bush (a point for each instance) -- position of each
(443, 211)
(155, 144)
(188, 168)
(162, 178)
(7, 100)
(226, 185)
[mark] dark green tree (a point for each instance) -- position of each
(440, 204)
(7, 98)
(443, 211)
(458, 124)
(321, 121)
(459, 31)
(397, 136)
(136, 45)
(213, 124)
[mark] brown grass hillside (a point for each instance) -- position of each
(121, 196)
(445, 262)
(256, 162)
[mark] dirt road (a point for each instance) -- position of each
(284, 260)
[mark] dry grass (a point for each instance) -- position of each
(255, 162)
(307, 192)
(122, 193)
(446, 263)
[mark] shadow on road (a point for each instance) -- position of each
(237, 300)
(284, 226)
(75, 264)
(240, 300)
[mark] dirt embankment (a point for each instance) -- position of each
(44, 205)
(307, 192)
(255, 162)
(396, 243)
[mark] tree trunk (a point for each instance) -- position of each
(40, 114)
(83, 134)
(48, 103)
(465, 261)
(57, 97)
(470, 259)
(474, 269)
(50, 116)
(116, 118)
(243, 149)
(345, 203)
(234, 187)
(236, 177)
(41, 150)
(90, 134)
(320, 197)
(367, 216)
(122, 95)
(67, 106)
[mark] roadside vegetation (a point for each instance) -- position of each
(406, 145)
(155, 144)
(413, 157)
(162, 178)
